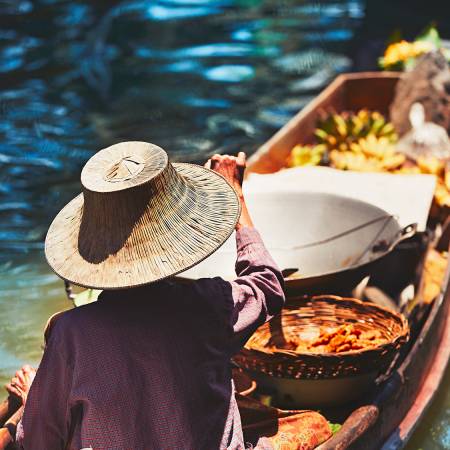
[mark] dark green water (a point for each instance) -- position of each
(193, 76)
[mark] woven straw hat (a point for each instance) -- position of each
(139, 219)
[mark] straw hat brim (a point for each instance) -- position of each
(156, 247)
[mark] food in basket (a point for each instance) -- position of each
(271, 350)
(339, 339)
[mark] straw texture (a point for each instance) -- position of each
(139, 219)
(305, 314)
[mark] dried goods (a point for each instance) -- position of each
(340, 339)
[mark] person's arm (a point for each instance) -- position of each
(46, 419)
(6, 437)
(18, 389)
(8, 431)
(257, 292)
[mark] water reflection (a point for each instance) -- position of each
(194, 76)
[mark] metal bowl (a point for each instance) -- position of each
(324, 243)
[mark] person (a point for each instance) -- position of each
(147, 366)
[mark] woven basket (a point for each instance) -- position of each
(306, 314)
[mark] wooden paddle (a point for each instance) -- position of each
(354, 427)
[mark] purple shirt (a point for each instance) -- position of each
(149, 368)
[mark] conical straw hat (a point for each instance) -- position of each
(139, 219)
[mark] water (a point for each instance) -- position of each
(433, 432)
(193, 76)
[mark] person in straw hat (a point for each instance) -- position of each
(147, 366)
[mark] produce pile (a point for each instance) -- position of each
(337, 340)
(435, 267)
(401, 54)
(366, 142)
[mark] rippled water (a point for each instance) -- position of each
(193, 76)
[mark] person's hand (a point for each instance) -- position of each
(231, 168)
(20, 384)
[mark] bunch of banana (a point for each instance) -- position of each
(365, 142)
(339, 131)
(306, 155)
(382, 150)
(373, 147)
(349, 160)
(369, 154)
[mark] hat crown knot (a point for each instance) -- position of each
(125, 169)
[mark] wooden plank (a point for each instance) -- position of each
(371, 91)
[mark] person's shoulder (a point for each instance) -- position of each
(63, 322)
(206, 288)
(209, 295)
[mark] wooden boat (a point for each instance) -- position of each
(387, 418)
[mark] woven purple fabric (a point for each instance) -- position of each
(149, 368)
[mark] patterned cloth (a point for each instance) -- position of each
(149, 368)
(274, 429)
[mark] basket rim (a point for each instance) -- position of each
(403, 335)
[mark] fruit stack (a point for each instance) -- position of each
(366, 142)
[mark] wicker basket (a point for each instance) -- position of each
(305, 314)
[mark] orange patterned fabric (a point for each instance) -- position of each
(269, 428)
(303, 431)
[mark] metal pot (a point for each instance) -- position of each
(290, 393)
(324, 243)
